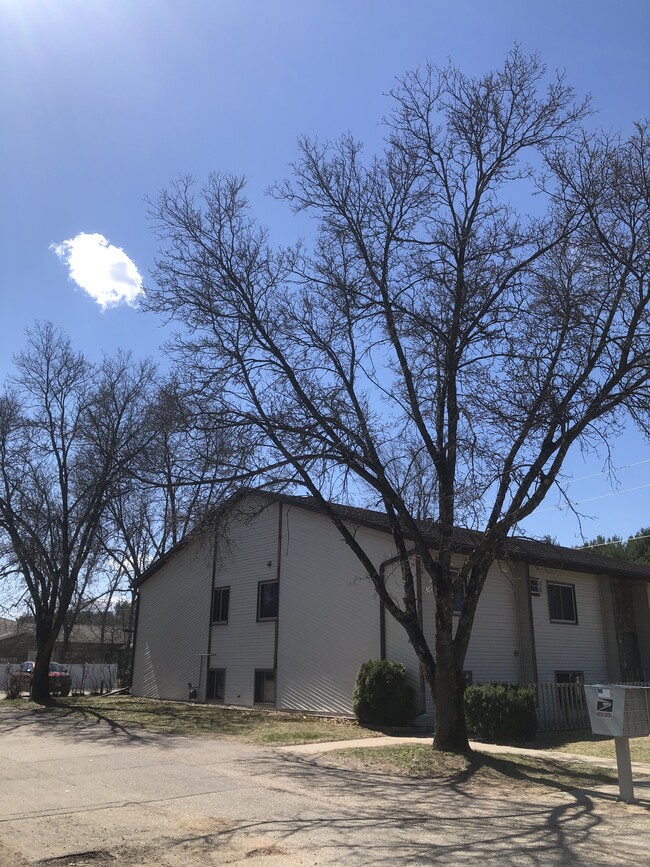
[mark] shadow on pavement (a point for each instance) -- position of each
(455, 819)
(71, 722)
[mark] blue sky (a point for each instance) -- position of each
(104, 102)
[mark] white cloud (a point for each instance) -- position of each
(103, 271)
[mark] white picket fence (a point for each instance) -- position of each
(86, 677)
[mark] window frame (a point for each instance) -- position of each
(562, 586)
(264, 672)
(266, 618)
(220, 590)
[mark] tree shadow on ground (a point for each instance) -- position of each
(459, 819)
(64, 720)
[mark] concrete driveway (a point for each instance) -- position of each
(74, 792)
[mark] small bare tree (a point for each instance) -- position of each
(437, 352)
(68, 431)
(172, 490)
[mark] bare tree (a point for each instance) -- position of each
(437, 352)
(172, 491)
(68, 430)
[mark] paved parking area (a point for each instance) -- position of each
(74, 792)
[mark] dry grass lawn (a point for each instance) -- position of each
(585, 744)
(248, 725)
(509, 771)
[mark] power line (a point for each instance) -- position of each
(612, 494)
(606, 472)
(613, 542)
(599, 497)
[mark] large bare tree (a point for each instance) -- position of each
(69, 430)
(436, 350)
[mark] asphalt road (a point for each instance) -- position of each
(91, 793)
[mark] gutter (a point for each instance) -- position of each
(135, 636)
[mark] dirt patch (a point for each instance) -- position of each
(190, 852)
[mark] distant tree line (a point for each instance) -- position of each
(636, 548)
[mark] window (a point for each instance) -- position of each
(267, 600)
(562, 603)
(216, 687)
(569, 677)
(265, 686)
(220, 602)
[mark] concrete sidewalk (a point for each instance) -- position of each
(641, 768)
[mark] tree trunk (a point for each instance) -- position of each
(40, 688)
(450, 733)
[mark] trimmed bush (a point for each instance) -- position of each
(382, 696)
(501, 712)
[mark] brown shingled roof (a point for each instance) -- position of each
(515, 548)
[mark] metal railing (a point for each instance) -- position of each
(562, 706)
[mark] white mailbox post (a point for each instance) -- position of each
(622, 712)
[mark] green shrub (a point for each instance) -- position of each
(501, 712)
(382, 695)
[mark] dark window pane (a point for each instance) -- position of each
(265, 687)
(220, 601)
(267, 600)
(569, 677)
(562, 603)
(216, 684)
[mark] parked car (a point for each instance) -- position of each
(59, 679)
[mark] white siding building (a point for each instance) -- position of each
(273, 608)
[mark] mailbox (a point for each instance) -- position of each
(619, 710)
(622, 712)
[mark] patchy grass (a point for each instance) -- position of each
(248, 725)
(483, 768)
(584, 743)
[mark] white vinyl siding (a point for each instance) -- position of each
(493, 652)
(329, 617)
(398, 646)
(173, 623)
(247, 556)
(329, 613)
(569, 646)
